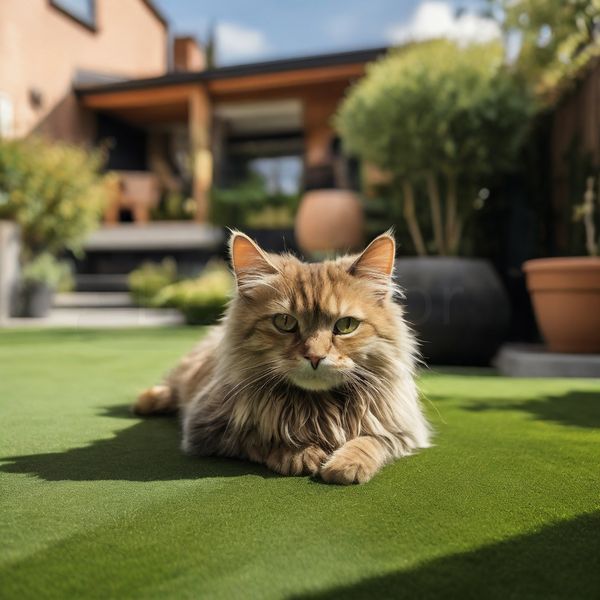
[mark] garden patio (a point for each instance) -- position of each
(96, 503)
(140, 181)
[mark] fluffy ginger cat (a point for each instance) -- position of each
(310, 372)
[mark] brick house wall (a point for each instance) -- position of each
(42, 50)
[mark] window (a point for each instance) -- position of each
(282, 174)
(82, 11)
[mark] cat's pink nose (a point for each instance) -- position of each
(314, 359)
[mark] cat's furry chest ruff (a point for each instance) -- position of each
(296, 418)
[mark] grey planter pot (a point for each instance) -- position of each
(457, 306)
(35, 300)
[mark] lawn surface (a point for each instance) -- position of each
(95, 503)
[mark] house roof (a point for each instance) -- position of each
(156, 12)
(244, 70)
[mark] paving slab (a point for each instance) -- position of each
(102, 317)
(534, 360)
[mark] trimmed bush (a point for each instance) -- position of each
(54, 191)
(202, 300)
(147, 281)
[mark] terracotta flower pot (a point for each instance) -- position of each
(329, 220)
(566, 299)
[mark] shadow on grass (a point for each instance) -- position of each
(146, 451)
(576, 409)
(559, 561)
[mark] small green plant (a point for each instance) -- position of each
(45, 269)
(55, 191)
(174, 206)
(201, 300)
(147, 281)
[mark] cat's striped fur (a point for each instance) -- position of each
(248, 391)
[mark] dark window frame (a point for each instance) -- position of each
(90, 25)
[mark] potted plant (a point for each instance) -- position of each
(565, 291)
(41, 278)
(55, 192)
(436, 121)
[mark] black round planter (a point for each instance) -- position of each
(35, 300)
(273, 240)
(457, 306)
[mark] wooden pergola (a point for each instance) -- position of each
(318, 83)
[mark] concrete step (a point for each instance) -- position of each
(166, 235)
(92, 300)
(100, 283)
(103, 317)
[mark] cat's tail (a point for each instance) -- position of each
(157, 400)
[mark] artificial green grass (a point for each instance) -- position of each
(95, 503)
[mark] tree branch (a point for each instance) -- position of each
(411, 218)
(435, 205)
(452, 226)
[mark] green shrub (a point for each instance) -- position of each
(202, 300)
(147, 281)
(54, 191)
(44, 268)
(569, 29)
(250, 205)
(174, 206)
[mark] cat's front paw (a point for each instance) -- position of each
(347, 466)
(307, 461)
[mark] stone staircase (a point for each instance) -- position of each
(101, 297)
(114, 251)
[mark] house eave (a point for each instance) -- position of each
(237, 71)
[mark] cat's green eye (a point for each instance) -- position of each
(285, 323)
(345, 325)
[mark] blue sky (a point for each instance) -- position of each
(252, 30)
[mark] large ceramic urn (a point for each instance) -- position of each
(329, 221)
(457, 307)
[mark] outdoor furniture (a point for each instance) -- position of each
(137, 191)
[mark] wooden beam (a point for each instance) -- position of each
(138, 98)
(202, 164)
(300, 77)
(318, 128)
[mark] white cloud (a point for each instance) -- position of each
(435, 19)
(237, 43)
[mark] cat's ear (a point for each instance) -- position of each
(248, 260)
(377, 259)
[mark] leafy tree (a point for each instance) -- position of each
(439, 119)
(54, 191)
(556, 37)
